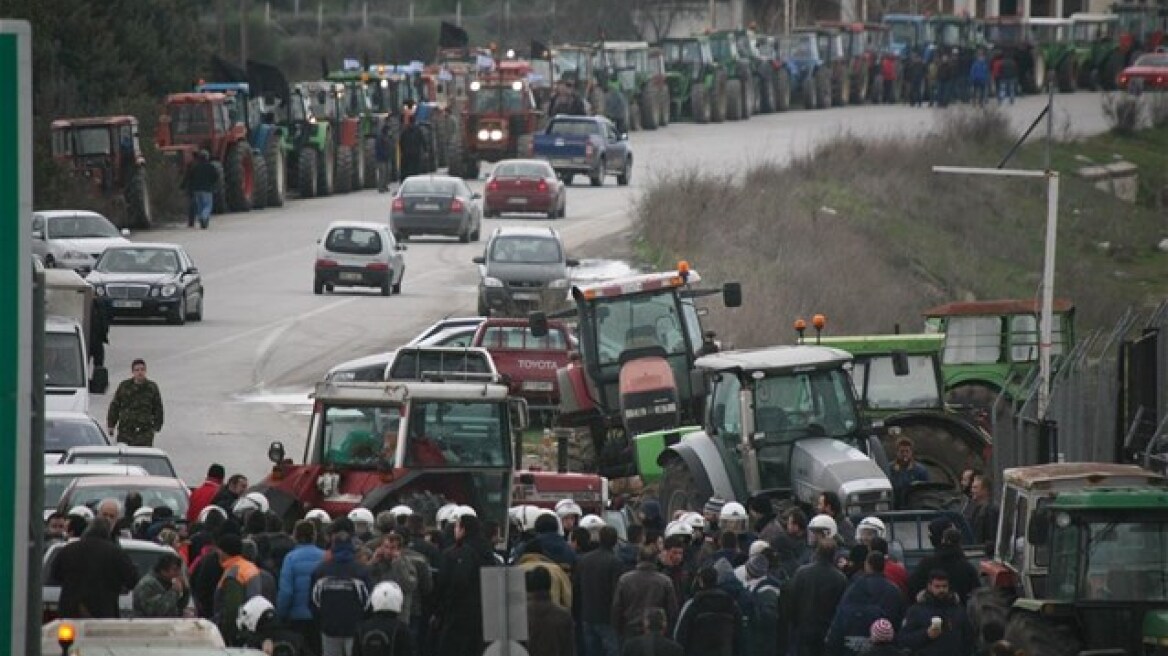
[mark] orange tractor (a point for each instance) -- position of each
(105, 149)
(499, 120)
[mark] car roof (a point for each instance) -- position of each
(368, 225)
(129, 481)
(95, 469)
(542, 162)
(120, 449)
(525, 231)
(68, 415)
(53, 214)
(125, 543)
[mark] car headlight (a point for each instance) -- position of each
(484, 135)
(492, 282)
(74, 255)
(496, 135)
(558, 284)
(168, 290)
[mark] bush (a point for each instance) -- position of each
(1157, 109)
(1123, 112)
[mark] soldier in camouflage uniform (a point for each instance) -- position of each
(136, 411)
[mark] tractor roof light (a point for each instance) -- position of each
(66, 634)
(800, 328)
(683, 269)
(517, 85)
(385, 84)
(819, 321)
(476, 85)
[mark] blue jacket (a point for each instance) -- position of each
(296, 582)
(980, 71)
(868, 598)
(552, 545)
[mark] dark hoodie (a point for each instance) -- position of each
(868, 598)
(710, 625)
(654, 522)
(340, 590)
(459, 595)
(949, 558)
(956, 637)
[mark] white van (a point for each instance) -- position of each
(68, 301)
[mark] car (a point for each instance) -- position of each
(156, 491)
(153, 460)
(143, 553)
(452, 332)
(523, 269)
(65, 430)
(525, 186)
(1149, 72)
(436, 205)
(148, 280)
(58, 477)
(585, 145)
(73, 239)
(412, 362)
(358, 254)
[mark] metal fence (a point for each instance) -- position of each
(1108, 401)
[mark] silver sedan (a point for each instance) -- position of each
(436, 205)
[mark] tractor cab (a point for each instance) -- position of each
(422, 444)
(105, 150)
(691, 55)
(198, 121)
(803, 48)
(906, 34)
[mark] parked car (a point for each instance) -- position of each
(144, 554)
(358, 254)
(156, 491)
(449, 332)
(65, 430)
(585, 145)
(73, 239)
(525, 186)
(153, 460)
(411, 362)
(1149, 72)
(436, 205)
(523, 269)
(58, 477)
(149, 280)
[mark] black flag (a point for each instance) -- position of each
(225, 71)
(452, 36)
(539, 50)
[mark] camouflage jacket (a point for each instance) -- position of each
(153, 598)
(136, 408)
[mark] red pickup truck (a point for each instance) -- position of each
(529, 363)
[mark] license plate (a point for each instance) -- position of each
(517, 201)
(525, 296)
(426, 206)
(127, 304)
(537, 386)
(350, 276)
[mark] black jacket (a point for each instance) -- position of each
(812, 597)
(93, 572)
(957, 637)
(459, 597)
(651, 645)
(596, 577)
(550, 630)
(202, 176)
(950, 559)
(340, 592)
(383, 634)
(710, 625)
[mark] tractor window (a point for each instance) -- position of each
(1127, 560)
(1064, 563)
(1024, 337)
(223, 119)
(1017, 552)
(62, 141)
(91, 141)
(190, 120)
(886, 391)
(973, 340)
(905, 33)
(354, 436)
(498, 99)
(725, 412)
(949, 35)
(686, 51)
(466, 434)
(640, 321)
(807, 404)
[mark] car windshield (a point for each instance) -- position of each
(499, 99)
(189, 119)
(154, 465)
(64, 366)
(138, 260)
(520, 337)
(91, 141)
(353, 241)
(80, 226)
(807, 404)
(90, 495)
(575, 128)
(64, 434)
(429, 187)
(523, 170)
(526, 250)
(1126, 559)
(887, 391)
(1157, 60)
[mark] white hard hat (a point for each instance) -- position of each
(210, 510)
(386, 596)
(732, 510)
(823, 523)
(398, 511)
(870, 524)
(250, 502)
(525, 516)
(252, 611)
(81, 511)
(678, 527)
(319, 515)
(361, 516)
(592, 523)
(462, 511)
(695, 520)
(567, 507)
(446, 513)
(759, 546)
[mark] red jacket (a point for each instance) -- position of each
(888, 68)
(895, 572)
(996, 68)
(202, 497)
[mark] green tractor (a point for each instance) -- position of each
(1079, 562)
(640, 73)
(1052, 38)
(333, 138)
(1097, 58)
(366, 97)
(991, 350)
(697, 85)
(740, 88)
(759, 70)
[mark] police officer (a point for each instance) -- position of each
(136, 410)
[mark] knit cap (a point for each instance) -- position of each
(758, 546)
(757, 566)
(882, 631)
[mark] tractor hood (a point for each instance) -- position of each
(822, 464)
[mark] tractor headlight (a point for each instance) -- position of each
(496, 135)
(484, 135)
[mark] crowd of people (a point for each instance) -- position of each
(732, 580)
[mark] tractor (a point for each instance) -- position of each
(1079, 563)
(640, 73)
(367, 98)
(263, 135)
(587, 68)
(1013, 37)
(810, 70)
(697, 86)
(638, 339)
(991, 350)
(758, 72)
(335, 148)
(1141, 28)
(204, 121)
(499, 121)
(864, 50)
(1093, 37)
(906, 34)
(741, 90)
(769, 50)
(105, 149)
(1052, 37)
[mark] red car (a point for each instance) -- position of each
(525, 186)
(1148, 73)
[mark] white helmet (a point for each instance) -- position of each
(143, 516)
(695, 520)
(592, 523)
(318, 515)
(252, 611)
(402, 510)
(870, 524)
(210, 510)
(525, 516)
(250, 502)
(81, 511)
(386, 596)
(361, 516)
(446, 514)
(678, 527)
(733, 517)
(567, 507)
(462, 511)
(823, 523)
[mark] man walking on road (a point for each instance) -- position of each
(201, 179)
(136, 410)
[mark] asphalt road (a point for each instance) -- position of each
(238, 380)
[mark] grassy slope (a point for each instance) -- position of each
(864, 232)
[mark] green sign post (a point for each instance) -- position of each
(15, 336)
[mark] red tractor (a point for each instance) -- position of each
(204, 121)
(499, 120)
(105, 149)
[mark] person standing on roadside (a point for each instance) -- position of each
(979, 79)
(136, 410)
(1008, 85)
(201, 180)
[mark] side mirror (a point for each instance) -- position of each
(538, 323)
(126, 232)
(572, 262)
(192, 271)
(479, 260)
(732, 294)
(276, 452)
(900, 363)
(1038, 528)
(519, 417)
(475, 196)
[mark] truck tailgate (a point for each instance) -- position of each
(560, 146)
(532, 371)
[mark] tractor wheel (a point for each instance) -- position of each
(718, 102)
(344, 177)
(138, 201)
(307, 172)
(326, 170)
(745, 79)
(734, 109)
(357, 182)
(1068, 75)
(679, 489)
(664, 107)
(649, 108)
(277, 172)
(259, 200)
(454, 158)
(617, 110)
(860, 88)
(1109, 74)
(239, 177)
(976, 401)
(1037, 82)
(370, 164)
(810, 93)
(944, 447)
(219, 196)
(1029, 633)
(782, 90)
(987, 606)
(635, 116)
(841, 84)
(766, 95)
(699, 104)
(823, 86)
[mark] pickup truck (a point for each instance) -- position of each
(585, 145)
(528, 363)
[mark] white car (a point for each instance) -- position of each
(358, 254)
(73, 239)
(451, 332)
(58, 478)
(65, 430)
(143, 553)
(155, 461)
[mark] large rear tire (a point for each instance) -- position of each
(1068, 76)
(138, 216)
(782, 90)
(987, 606)
(699, 104)
(239, 177)
(734, 109)
(976, 401)
(1109, 73)
(277, 172)
(307, 173)
(650, 109)
(370, 163)
(344, 179)
(259, 199)
(810, 93)
(823, 87)
(766, 95)
(357, 182)
(679, 489)
(1034, 637)
(718, 102)
(944, 446)
(326, 169)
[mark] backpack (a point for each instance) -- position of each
(233, 595)
(764, 606)
(377, 642)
